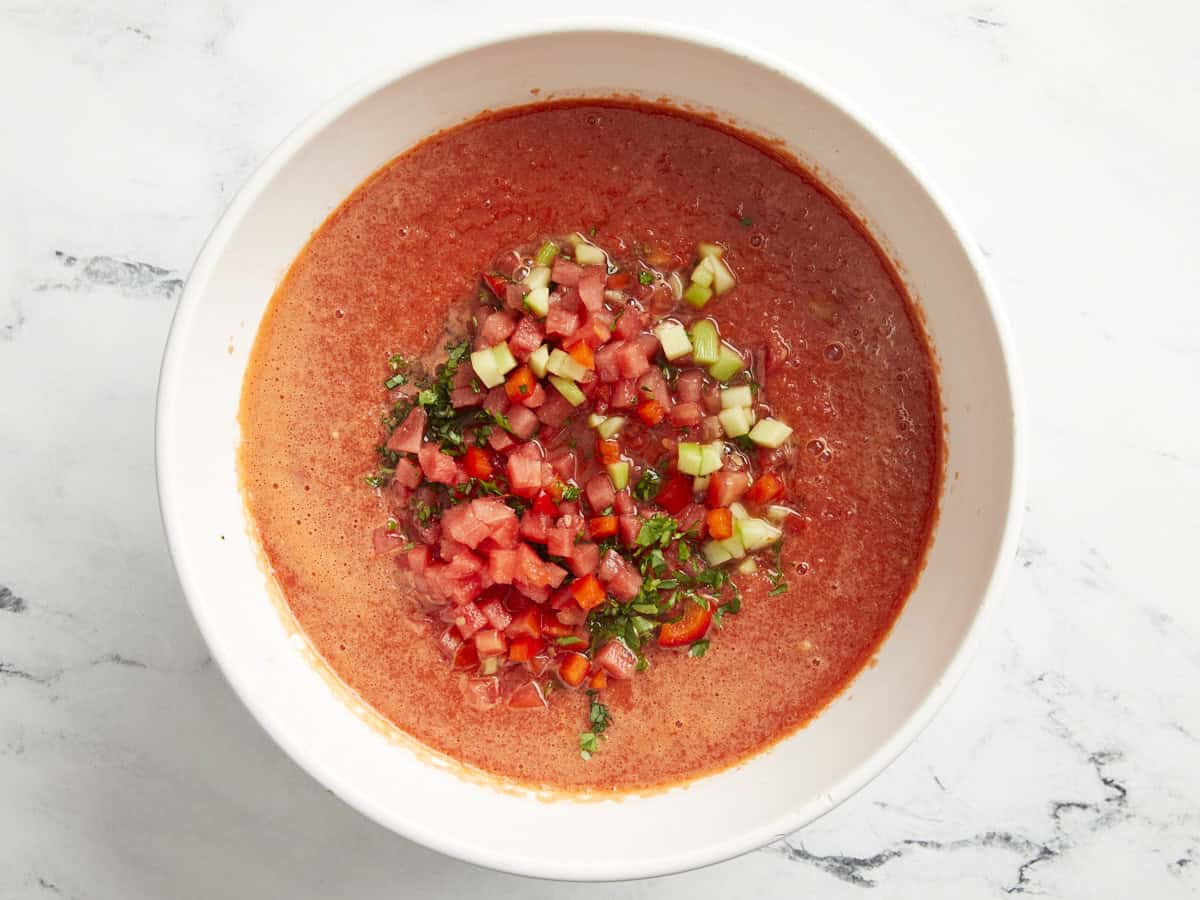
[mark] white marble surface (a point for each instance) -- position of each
(1065, 764)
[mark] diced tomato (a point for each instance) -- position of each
(527, 623)
(466, 657)
(651, 412)
(527, 696)
(573, 668)
(477, 463)
(628, 527)
(607, 451)
(591, 286)
(585, 557)
(520, 384)
(720, 523)
(583, 354)
(407, 436)
(617, 660)
(565, 272)
(497, 327)
(725, 487)
(601, 527)
(525, 648)
(524, 468)
(468, 619)
(687, 629)
(498, 617)
(496, 284)
(675, 494)
(588, 592)
(765, 489)
(552, 627)
(437, 466)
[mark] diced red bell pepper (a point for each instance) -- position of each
(520, 384)
(765, 489)
(687, 629)
(651, 412)
(619, 281)
(601, 527)
(496, 284)
(544, 504)
(599, 681)
(588, 592)
(582, 354)
(675, 494)
(552, 627)
(573, 668)
(608, 451)
(527, 623)
(720, 523)
(477, 463)
(525, 648)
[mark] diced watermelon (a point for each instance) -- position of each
(524, 467)
(710, 429)
(386, 542)
(561, 321)
(461, 523)
(514, 297)
(632, 361)
(483, 692)
(497, 327)
(496, 400)
(407, 473)
(416, 560)
(648, 344)
(653, 386)
(500, 440)
(565, 272)
(449, 642)
(600, 493)
(468, 619)
(725, 487)
(691, 516)
(490, 642)
(527, 696)
(536, 397)
(526, 338)
(564, 464)
(450, 548)
(462, 397)
(523, 422)
(622, 579)
(572, 614)
(407, 436)
(555, 574)
(710, 399)
(607, 367)
(623, 504)
(498, 617)
(685, 415)
(560, 541)
(536, 592)
(463, 566)
(689, 386)
(624, 394)
(531, 570)
(555, 411)
(437, 466)
(527, 623)
(591, 286)
(533, 526)
(616, 659)
(502, 566)
(627, 529)
(584, 559)
(631, 323)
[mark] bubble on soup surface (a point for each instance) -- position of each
(834, 352)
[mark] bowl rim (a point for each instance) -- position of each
(410, 828)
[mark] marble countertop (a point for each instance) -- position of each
(1066, 762)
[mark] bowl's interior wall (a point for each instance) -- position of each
(715, 817)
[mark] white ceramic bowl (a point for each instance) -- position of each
(716, 817)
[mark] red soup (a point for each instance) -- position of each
(594, 445)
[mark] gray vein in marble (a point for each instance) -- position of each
(10, 602)
(987, 23)
(129, 276)
(15, 320)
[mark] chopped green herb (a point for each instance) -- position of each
(569, 641)
(645, 277)
(392, 524)
(395, 381)
(570, 493)
(647, 485)
(699, 648)
(587, 744)
(658, 529)
(397, 363)
(747, 221)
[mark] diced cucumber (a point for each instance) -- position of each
(777, 514)
(705, 249)
(727, 365)
(568, 389)
(723, 279)
(505, 361)
(539, 276)
(703, 274)
(733, 546)
(690, 458)
(706, 343)
(697, 295)
(619, 473)
(563, 364)
(589, 255)
(756, 533)
(770, 433)
(537, 301)
(546, 253)
(538, 360)
(748, 566)
(610, 426)
(595, 420)
(737, 396)
(673, 338)
(490, 665)
(735, 421)
(700, 483)
(712, 457)
(715, 554)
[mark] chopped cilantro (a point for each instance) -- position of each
(598, 714)
(699, 648)
(647, 485)
(395, 381)
(645, 277)
(587, 744)
(569, 641)
(570, 493)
